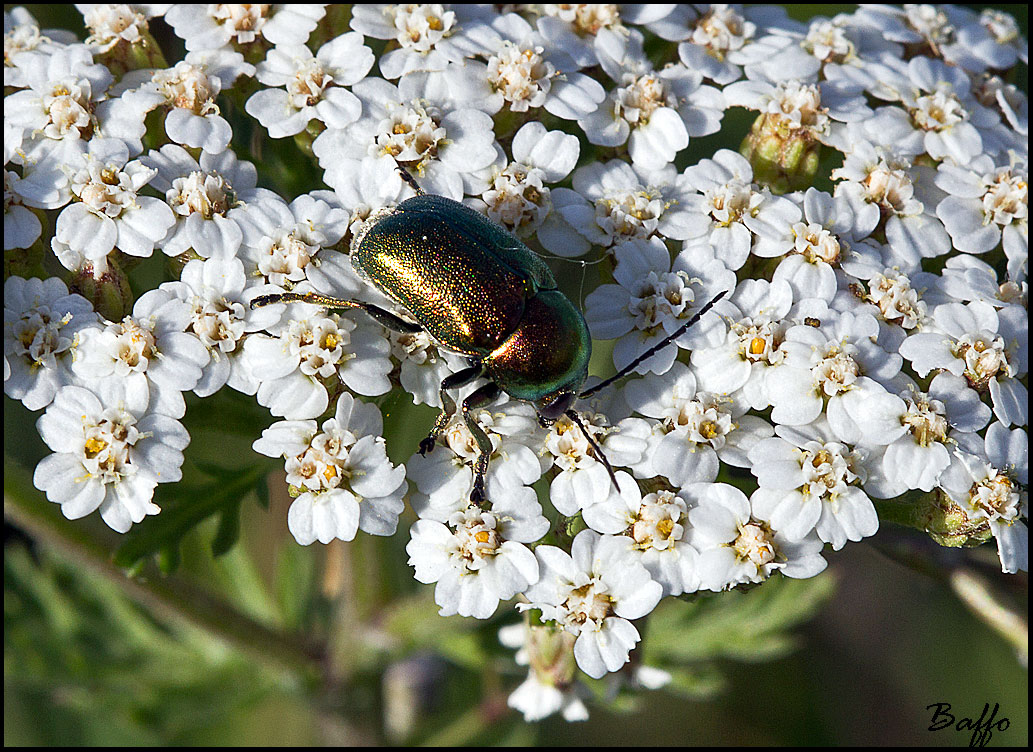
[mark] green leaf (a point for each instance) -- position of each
(183, 508)
(229, 529)
(749, 626)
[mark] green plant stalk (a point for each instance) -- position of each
(171, 599)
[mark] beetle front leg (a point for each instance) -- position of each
(485, 395)
(448, 405)
(409, 180)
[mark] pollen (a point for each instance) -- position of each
(94, 446)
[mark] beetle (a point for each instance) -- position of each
(480, 292)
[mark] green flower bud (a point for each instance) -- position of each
(949, 525)
(110, 293)
(550, 651)
(783, 157)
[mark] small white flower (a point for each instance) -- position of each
(112, 24)
(188, 90)
(341, 474)
(110, 451)
(940, 115)
(655, 112)
(311, 350)
(426, 124)
(985, 205)
(573, 28)
(808, 481)
(518, 196)
(478, 558)
(60, 108)
(593, 592)
(613, 202)
(550, 686)
(443, 478)
(151, 349)
(658, 524)
(741, 217)
(313, 85)
(525, 70)
(219, 295)
(988, 347)
(202, 193)
(966, 278)
(423, 365)
(801, 105)
(988, 480)
(739, 545)
(693, 430)
(914, 427)
(824, 363)
(837, 49)
(717, 41)
(210, 27)
(287, 245)
(996, 39)
(900, 296)
(583, 479)
(738, 363)
(109, 212)
(428, 36)
(43, 324)
(1006, 100)
(25, 43)
(826, 239)
(887, 190)
(653, 298)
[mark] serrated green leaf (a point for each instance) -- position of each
(698, 682)
(749, 626)
(183, 508)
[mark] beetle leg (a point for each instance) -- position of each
(378, 314)
(410, 180)
(448, 405)
(484, 395)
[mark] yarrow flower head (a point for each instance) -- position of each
(772, 346)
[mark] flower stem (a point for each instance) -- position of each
(171, 598)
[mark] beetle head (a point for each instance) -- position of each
(553, 406)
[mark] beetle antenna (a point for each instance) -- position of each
(655, 348)
(596, 449)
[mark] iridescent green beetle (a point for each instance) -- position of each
(480, 292)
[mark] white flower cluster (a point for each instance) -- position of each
(870, 353)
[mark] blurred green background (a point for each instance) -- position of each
(270, 643)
